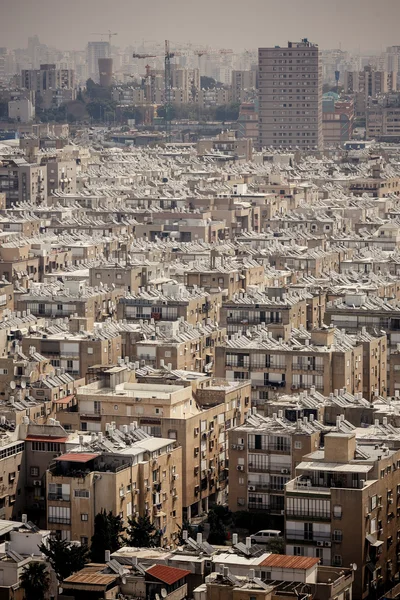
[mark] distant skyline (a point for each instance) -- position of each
(370, 25)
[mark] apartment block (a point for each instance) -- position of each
(198, 421)
(129, 473)
(263, 454)
(169, 304)
(272, 307)
(290, 96)
(69, 299)
(324, 359)
(341, 508)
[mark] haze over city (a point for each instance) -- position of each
(200, 300)
(353, 24)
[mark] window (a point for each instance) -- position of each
(39, 446)
(84, 517)
(374, 502)
(337, 560)
(34, 471)
(298, 445)
(90, 350)
(337, 511)
(84, 540)
(81, 494)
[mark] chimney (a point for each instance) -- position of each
(234, 539)
(199, 538)
(107, 556)
(24, 518)
(185, 535)
(248, 542)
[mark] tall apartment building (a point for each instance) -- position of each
(48, 77)
(341, 508)
(263, 454)
(127, 472)
(243, 82)
(370, 81)
(198, 420)
(94, 51)
(290, 95)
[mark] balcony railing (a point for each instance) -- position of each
(306, 367)
(314, 536)
(61, 520)
(275, 487)
(309, 514)
(61, 497)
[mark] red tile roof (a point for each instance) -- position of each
(79, 457)
(168, 575)
(284, 561)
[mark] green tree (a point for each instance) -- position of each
(141, 533)
(108, 532)
(218, 534)
(35, 581)
(207, 83)
(228, 112)
(276, 545)
(64, 557)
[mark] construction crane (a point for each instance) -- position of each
(109, 33)
(168, 55)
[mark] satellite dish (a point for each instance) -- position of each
(164, 593)
(23, 384)
(354, 566)
(12, 385)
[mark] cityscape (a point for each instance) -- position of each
(200, 301)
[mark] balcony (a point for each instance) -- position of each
(306, 367)
(270, 487)
(311, 537)
(60, 520)
(309, 515)
(60, 497)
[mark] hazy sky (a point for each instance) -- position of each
(67, 24)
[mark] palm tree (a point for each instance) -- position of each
(35, 581)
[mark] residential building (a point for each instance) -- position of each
(127, 472)
(290, 96)
(340, 509)
(171, 303)
(326, 359)
(94, 51)
(197, 419)
(263, 454)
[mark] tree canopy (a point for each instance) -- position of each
(141, 533)
(108, 532)
(35, 581)
(64, 557)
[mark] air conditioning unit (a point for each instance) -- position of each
(320, 544)
(285, 471)
(37, 483)
(327, 544)
(252, 488)
(240, 467)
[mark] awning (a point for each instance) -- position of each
(65, 400)
(373, 541)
